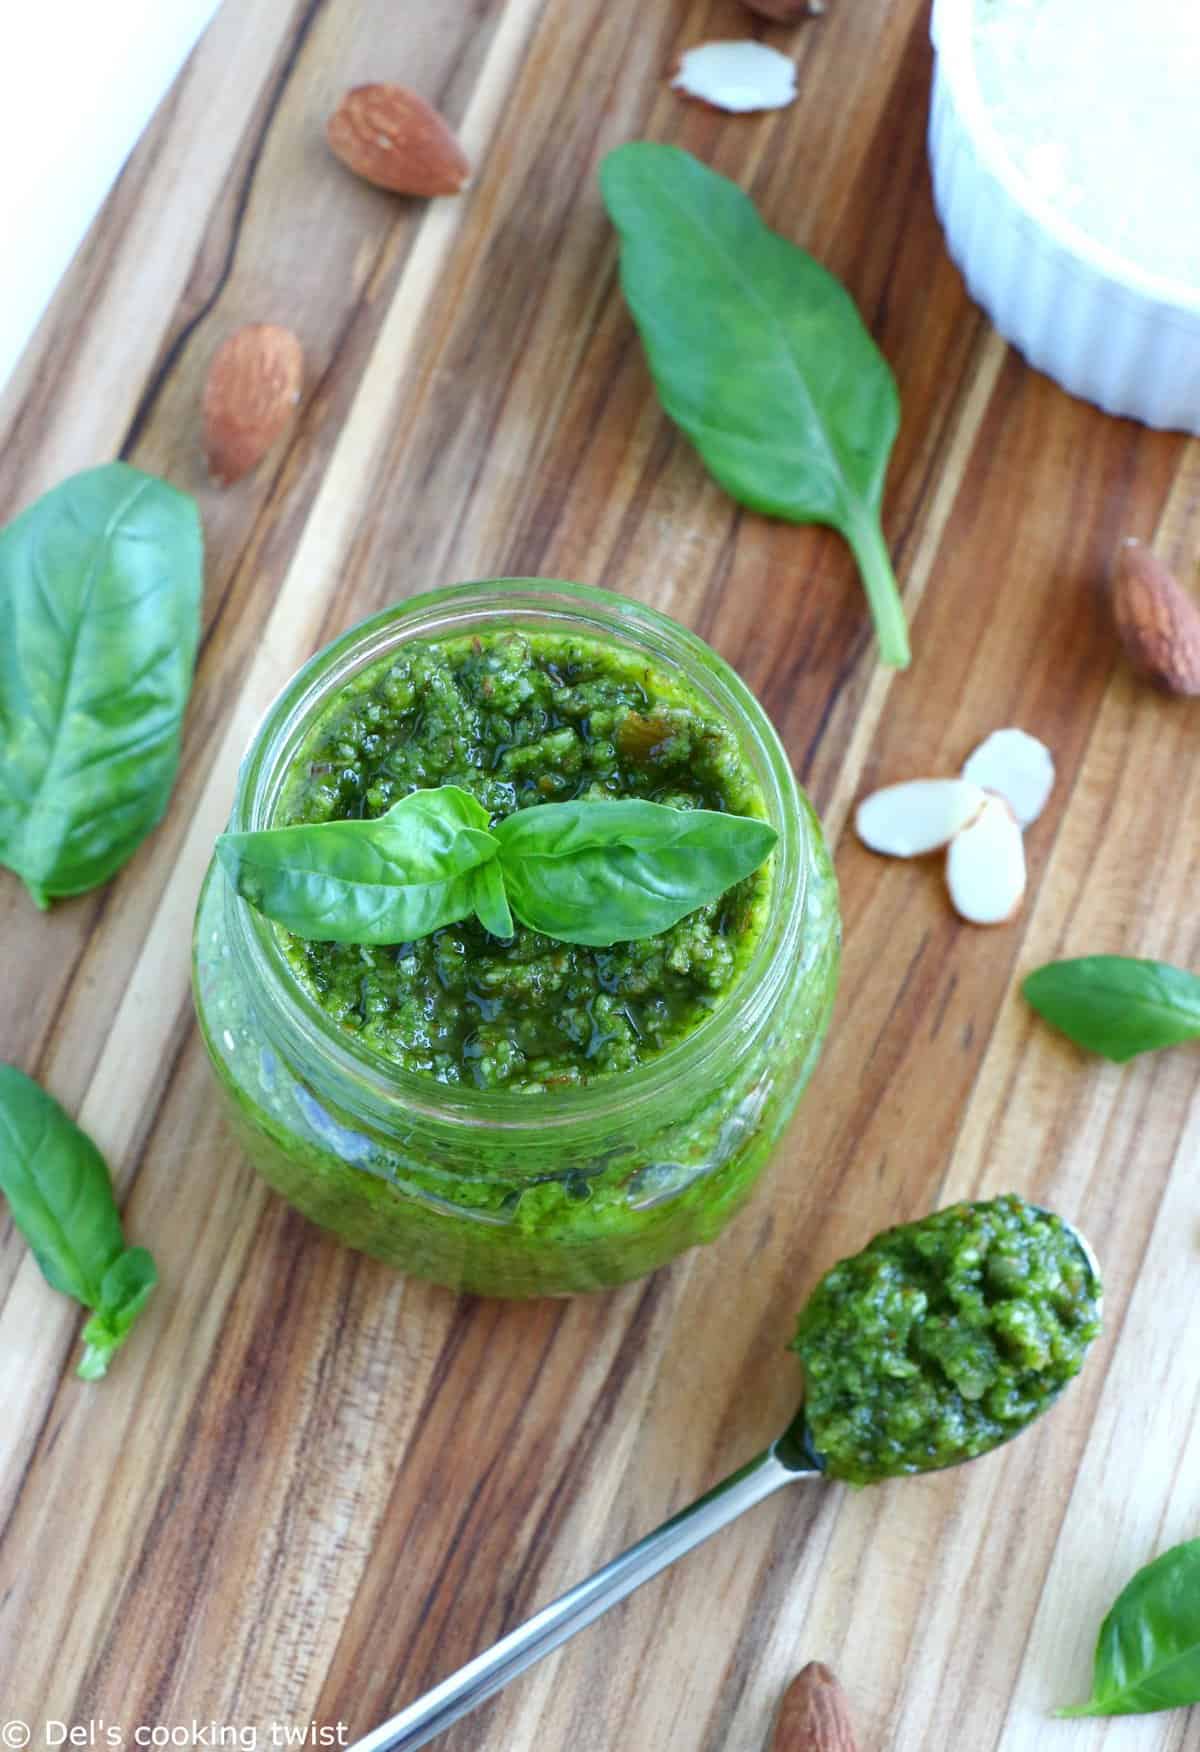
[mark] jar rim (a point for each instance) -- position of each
(367, 1079)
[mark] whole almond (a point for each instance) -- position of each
(1157, 621)
(814, 1715)
(250, 394)
(394, 139)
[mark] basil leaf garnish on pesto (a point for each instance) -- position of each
(760, 356)
(599, 873)
(61, 1198)
(100, 585)
(1148, 1651)
(1116, 1005)
(593, 873)
(399, 876)
(943, 1338)
(489, 900)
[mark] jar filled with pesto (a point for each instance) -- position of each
(518, 1115)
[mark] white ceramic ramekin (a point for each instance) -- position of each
(1127, 340)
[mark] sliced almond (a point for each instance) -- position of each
(1018, 768)
(922, 815)
(787, 11)
(391, 137)
(985, 866)
(738, 76)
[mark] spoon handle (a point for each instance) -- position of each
(489, 1672)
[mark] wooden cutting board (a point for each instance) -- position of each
(309, 1488)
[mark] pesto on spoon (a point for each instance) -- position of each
(941, 1340)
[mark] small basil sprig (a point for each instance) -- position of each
(61, 1198)
(594, 873)
(1116, 1005)
(759, 354)
(1148, 1651)
(100, 585)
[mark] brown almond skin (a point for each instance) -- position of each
(394, 139)
(250, 394)
(1158, 622)
(814, 1715)
(786, 11)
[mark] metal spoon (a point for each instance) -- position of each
(788, 1458)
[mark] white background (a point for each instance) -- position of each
(78, 83)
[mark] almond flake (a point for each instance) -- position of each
(922, 815)
(738, 76)
(985, 866)
(1016, 767)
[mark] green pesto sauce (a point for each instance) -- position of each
(521, 719)
(943, 1338)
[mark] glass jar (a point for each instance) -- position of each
(504, 1192)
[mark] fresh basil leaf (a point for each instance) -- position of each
(100, 585)
(599, 872)
(489, 900)
(761, 357)
(1148, 1652)
(613, 871)
(398, 876)
(58, 1189)
(1116, 1005)
(61, 1198)
(123, 1294)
